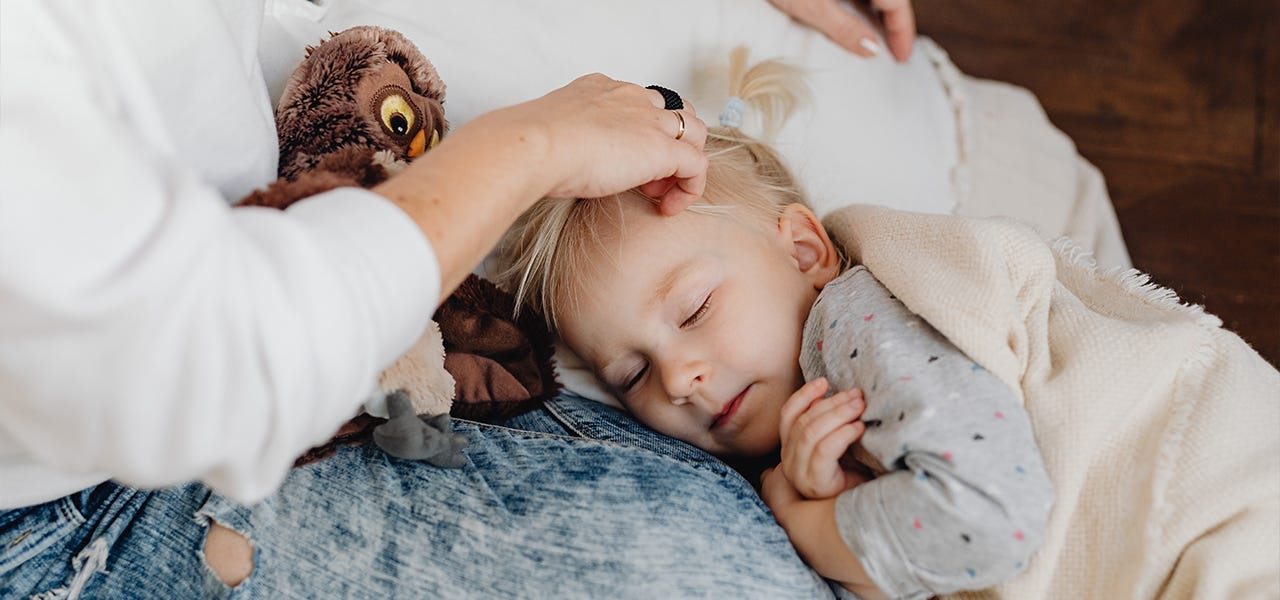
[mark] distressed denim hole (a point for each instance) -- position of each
(229, 554)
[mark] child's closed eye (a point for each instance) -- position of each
(697, 314)
(635, 379)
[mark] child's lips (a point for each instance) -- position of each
(730, 409)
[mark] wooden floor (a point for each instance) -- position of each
(1178, 103)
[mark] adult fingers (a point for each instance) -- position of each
(686, 185)
(900, 26)
(695, 129)
(677, 199)
(854, 34)
(836, 22)
(690, 180)
(658, 188)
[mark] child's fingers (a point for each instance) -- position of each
(826, 415)
(823, 416)
(831, 447)
(819, 417)
(848, 403)
(821, 475)
(798, 403)
(815, 462)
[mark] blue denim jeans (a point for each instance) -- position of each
(574, 500)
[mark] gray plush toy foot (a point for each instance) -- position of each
(406, 435)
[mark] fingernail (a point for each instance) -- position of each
(870, 45)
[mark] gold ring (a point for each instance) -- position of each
(680, 133)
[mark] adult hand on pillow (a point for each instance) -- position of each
(853, 34)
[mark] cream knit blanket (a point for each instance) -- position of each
(1160, 429)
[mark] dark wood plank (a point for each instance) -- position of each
(1170, 82)
(1269, 74)
(1212, 237)
(1111, 107)
(1178, 103)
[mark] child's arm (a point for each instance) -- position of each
(811, 526)
(964, 499)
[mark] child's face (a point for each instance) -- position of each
(695, 320)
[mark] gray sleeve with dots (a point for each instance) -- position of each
(963, 498)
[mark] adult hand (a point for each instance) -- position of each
(591, 138)
(815, 433)
(605, 136)
(852, 33)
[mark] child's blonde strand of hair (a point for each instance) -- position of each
(772, 89)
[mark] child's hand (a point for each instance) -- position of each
(811, 526)
(815, 433)
(778, 492)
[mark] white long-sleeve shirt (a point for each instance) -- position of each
(148, 332)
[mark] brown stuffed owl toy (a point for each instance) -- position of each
(360, 106)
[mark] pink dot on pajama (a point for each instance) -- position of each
(916, 523)
(1017, 535)
(868, 317)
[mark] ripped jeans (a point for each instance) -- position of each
(575, 500)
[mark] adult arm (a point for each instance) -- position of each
(148, 332)
(151, 334)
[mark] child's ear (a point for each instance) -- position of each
(810, 247)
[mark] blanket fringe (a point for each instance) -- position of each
(1134, 282)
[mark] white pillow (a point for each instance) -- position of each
(874, 131)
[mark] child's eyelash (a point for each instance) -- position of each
(697, 314)
(635, 379)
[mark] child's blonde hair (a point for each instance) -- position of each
(550, 242)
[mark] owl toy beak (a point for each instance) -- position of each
(419, 143)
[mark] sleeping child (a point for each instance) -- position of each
(1031, 424)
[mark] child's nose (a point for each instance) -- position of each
(681, 378)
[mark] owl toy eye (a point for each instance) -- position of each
(397, 114)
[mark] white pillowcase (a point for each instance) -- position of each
(873, 131)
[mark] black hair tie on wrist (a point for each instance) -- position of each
(670, 99)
